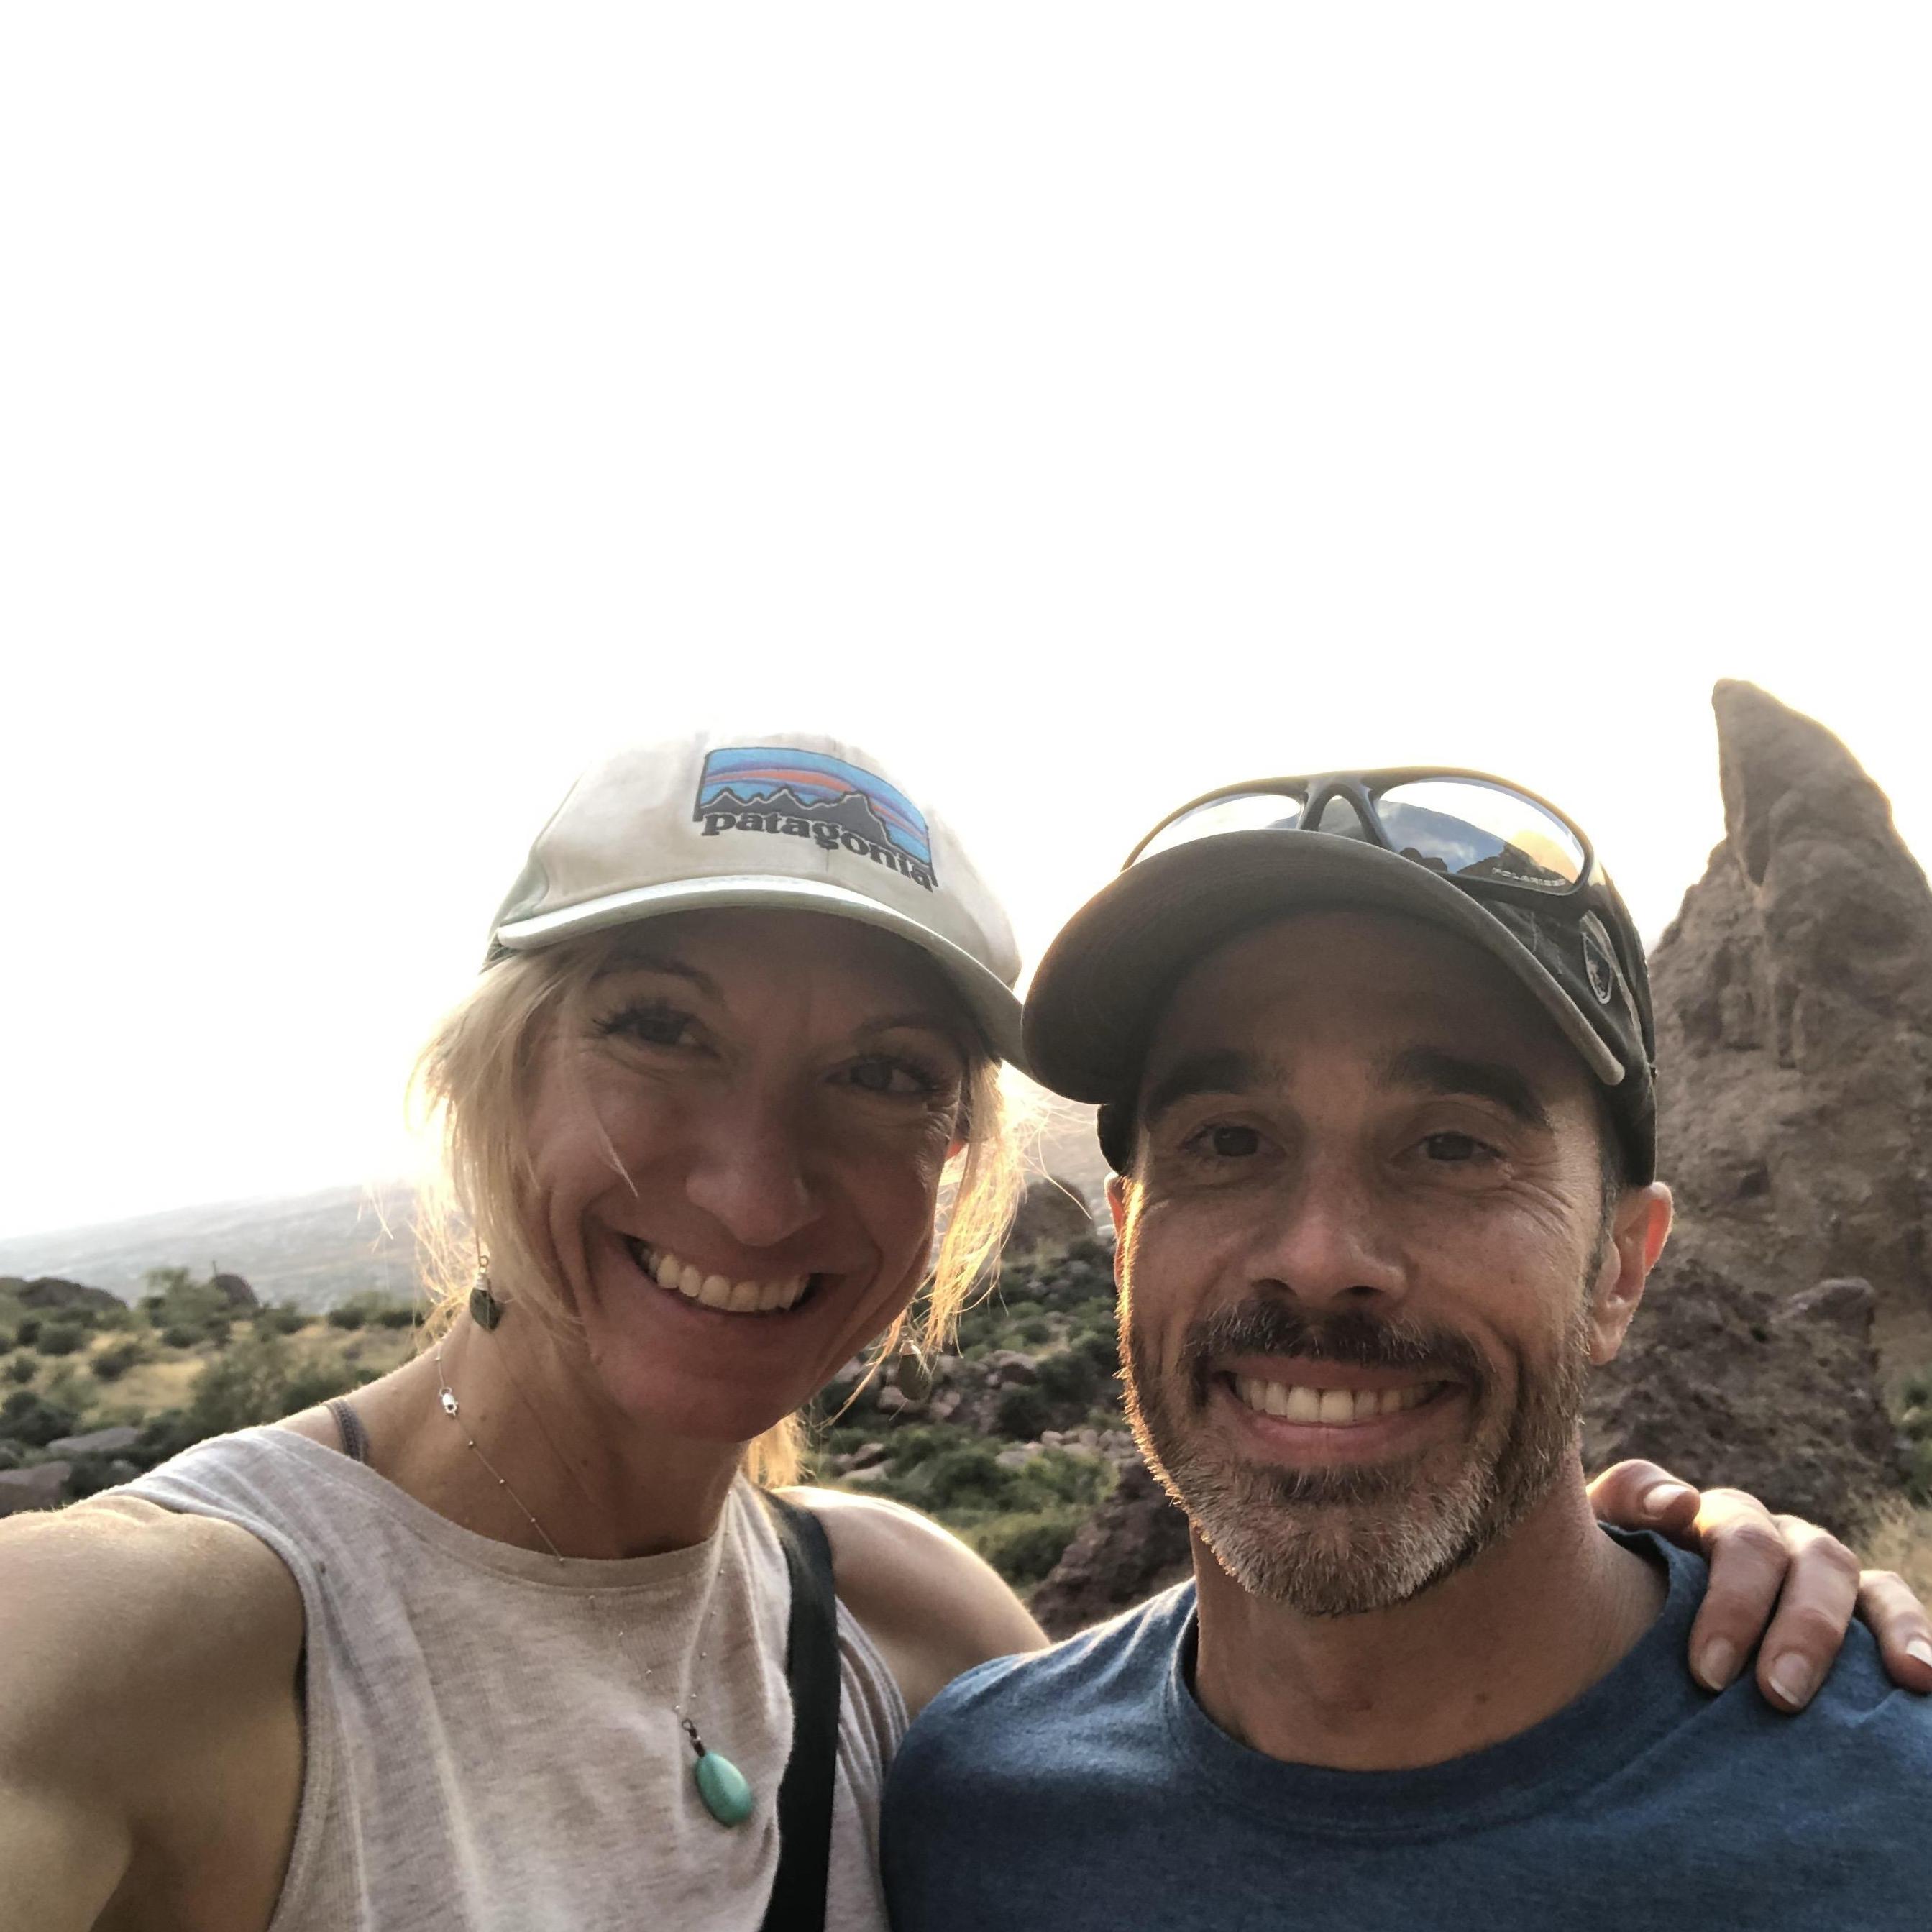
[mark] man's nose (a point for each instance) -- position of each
(748, 1171)
(1328, 1241)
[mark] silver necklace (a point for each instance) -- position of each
(725, 1789)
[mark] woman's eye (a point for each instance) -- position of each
(889, 1076)
(654, 1026)
(1452, 1148)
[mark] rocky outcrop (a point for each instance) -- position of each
(236, 1292)
(48, 1291)
(1053, 1214)
(1794, 1017)
(1135, 1543)
(1724, 1382)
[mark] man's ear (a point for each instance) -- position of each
(1118, 1185)
(1638, 1228)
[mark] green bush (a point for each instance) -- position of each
(397, 1315)
(179, 1337)
(60, 1338)
(1024, 1545)
(22, 1368)
(348, 1314)
(1022, 1411)
(1069, 1374)
(281, 1317)
(370, 1309)
(31, 1419)
(244, 1385)
(968, 1476)
(1918, 1473)
(114, 1361)
(1063, 1476)
(28, 1333)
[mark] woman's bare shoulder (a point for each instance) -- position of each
(933, 1607)
(118, 1589)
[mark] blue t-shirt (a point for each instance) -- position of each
(1083, 1787)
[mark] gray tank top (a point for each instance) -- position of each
(491, 1743)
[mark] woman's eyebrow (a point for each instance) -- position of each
(924, 1021)
(658, 962)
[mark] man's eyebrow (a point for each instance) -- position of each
(1436, 1072)
(1217, 1070)
(627, 961)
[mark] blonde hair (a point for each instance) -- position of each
(472, 1086)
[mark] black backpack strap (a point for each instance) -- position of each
(812, 1667)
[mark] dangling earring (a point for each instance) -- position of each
(485, 1310)
(912, 1373)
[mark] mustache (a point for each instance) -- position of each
(1260, 1327)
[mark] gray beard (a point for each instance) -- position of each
(1332, 1543)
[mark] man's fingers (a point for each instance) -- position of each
(1640, 1496)
(1821, 1591)
(1898, 1620)
(1748, 1558)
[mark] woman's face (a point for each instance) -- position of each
(781, 1091)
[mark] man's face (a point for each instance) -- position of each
(1363, 1259)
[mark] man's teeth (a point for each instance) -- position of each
(713, 1290)
(1293, 1403)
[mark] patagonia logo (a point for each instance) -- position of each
(785, 793)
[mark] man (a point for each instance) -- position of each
(1378, 1097)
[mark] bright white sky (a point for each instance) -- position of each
(1077, 406)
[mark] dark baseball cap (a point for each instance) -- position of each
(1468, 852)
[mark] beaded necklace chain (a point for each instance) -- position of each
(726, 1791)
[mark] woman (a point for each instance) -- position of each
(504, 1641)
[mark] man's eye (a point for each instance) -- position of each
(1454, 1147)
(654, 1026)
(1232, 1143)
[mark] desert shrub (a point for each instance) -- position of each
(244, 1385)
(32, 1419)
(397, 1315)
(7, 1340)
(1022, 1411)
(1023, 1546)
(181, 1337)
(1918, 1472)
(29, 1332)
(968, 1476)
(60, 1338)
(177, 1302)
(347, 1315)
(369, 1309)
(22, 1368)
(114, 1361)
(322, 1380)
(1069, 1374)
(281, 1317)
(1059, 1476)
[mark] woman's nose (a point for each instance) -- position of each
(751, 1177)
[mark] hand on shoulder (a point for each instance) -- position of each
(148, 1698)
(932, 1606)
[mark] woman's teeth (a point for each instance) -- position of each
(713, 1290)
(1295, 1402)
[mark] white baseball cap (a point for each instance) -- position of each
(789, 819)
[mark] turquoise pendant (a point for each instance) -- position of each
(722, 1786)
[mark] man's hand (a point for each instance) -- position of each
(1775, 1578)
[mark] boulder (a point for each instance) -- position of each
(97, 1442)
(236, 1292)
(1135, 1543)
(1725, 1381)
(1053, 1214)
(42, 1486)
(1793, 994)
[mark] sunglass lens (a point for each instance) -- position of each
(1474, 831)
(1239, 812)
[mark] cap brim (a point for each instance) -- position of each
(1099, 990)
(992, 1003)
